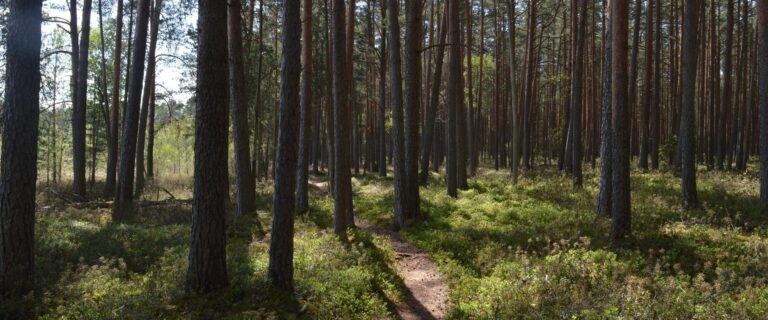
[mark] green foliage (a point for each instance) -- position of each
(534, 250)
(91, 268)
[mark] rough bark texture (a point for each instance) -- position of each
(434, 100)
(381, 119)
(576, 95)
(452, 96)
(342, 182)
(280, 271)
(305, 125)
(726, 101)
(515, 161)
(20, 118)
(78, 109)
(207, 253)
(606, 145)
(123, 208)
(114, 115)
(396, 104)
(691, 10)
(238, 104)
(414, 37)
(762, 14)
(149, 84)
(620, 197)
(645, 111)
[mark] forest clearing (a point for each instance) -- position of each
(384, 159)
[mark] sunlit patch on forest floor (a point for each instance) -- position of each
(536, 250)
(91, 268)
(532, 250)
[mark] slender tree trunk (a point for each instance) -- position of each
(691, 9)
(383, 95)
(341, 176)
(20, 119)
(645, 112)
(762, 34)
(149, 84)
(281, 245)
(513, 98)
(109, 187)
(576, 95)
(414, 37)
(246, 191)
(434, 100)
(727, 98)
(123, 208)
(151, 134)
(302, 173)
(620, 197)
(452, 96)
(606, 130)
(657, 89)
(207, 253)
(78, 110)
(396, 103)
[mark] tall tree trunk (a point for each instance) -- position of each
(691, 9)
(109, 187)
(620, 196)
(123, 208)
(302, 173)
(381, 120)
(281, 245)
(342, 182)
(633, 74)
(414, 37)
(644, 129)
(452, 96)
(513, 97)
(396, 103)
(434, 100)
(20, 119)
(762, 36)
(238, 105)
(530, 74)
(149, 84)
(727, 98)
(207, 253)
(78, 110)
(576, 95)
(657, 89)
(151, 134)
(606, 144)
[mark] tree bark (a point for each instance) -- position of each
(302, 174)
(645, 112)
(727, 98)
(396, 104)
(20, 118)
(281, 245)
(414, 37)
(207, 253)
(576, 95)
(109, 187)
(452, 97)
(606, 130)
(434, 100)
(342, 182)
(123, 208)
(246, 192)
(78, 110)
(691, 9)
(762, 18)
(620, 196)
(149, 84)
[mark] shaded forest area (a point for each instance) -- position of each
(377, 159)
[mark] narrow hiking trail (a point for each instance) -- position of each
(426, 295)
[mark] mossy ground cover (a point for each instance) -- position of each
(91, 268)
(535, 250)
(531, 250)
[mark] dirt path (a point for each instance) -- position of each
(427, 294)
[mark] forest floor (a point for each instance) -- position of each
(531, 250)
